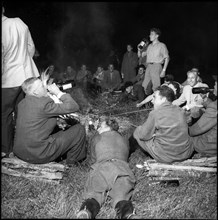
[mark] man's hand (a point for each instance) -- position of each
(162, 74)
(53, 89)
(44, 78)
(122, 75)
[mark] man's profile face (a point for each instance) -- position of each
(153, 36)
(157, 99)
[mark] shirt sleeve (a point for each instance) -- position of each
(147, 130)
(67, 106)
(31, 45)
(164, 51)
(205, 123)
(181, 99)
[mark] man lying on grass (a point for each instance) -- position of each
(110, 174)
(35, 141)
(164, 135)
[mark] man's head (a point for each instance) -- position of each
(129, 47)
(83, 67)
(176, 88)
(34, 86)
(141, 69)
(111, 67)
(154, 34)
(163, 94)
(192, 78)
(108, 125)
(168, 78)
(99, 68)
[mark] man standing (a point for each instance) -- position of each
(129, 64)
(17, 65)
(157, 55)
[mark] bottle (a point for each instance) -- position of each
(142, 44)
(203, 90)
(66, 85)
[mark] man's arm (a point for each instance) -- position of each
(165, 55)
(146, 131)
(181, 99)
(31, 45)
(206, 122)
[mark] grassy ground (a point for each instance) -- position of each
(195, 198)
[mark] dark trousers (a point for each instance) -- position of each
(71, 142)
(10, 99)
(139, 91)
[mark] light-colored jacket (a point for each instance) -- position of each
(191, 99)
(17, 53)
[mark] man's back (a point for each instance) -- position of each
(17, 52)
(109, 145)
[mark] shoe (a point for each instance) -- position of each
(83, 214)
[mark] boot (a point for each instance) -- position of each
(89, 209)
(124, 209)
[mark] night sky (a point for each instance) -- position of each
(72, 33)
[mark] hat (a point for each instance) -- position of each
(214, 77)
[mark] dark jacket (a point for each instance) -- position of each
(204, 132)
(36, 120)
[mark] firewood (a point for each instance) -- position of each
(205, 161)
(32, 174)
(154, 166)
(49, 167)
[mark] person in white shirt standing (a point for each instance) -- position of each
(17, 65)
(157, 61)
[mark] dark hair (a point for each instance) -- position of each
(177, 86)
(156, 30)
(112, 123)
(167, 92)
(169, 78)
(141, 66)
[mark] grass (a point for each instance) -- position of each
(195, 198)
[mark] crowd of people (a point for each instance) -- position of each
(180, 125)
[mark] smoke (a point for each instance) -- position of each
(82, 36)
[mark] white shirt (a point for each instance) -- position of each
(191, 99)
(17, 52)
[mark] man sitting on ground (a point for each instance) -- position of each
(193, 102)
(35, 141)
(204, 132)
(164, 135)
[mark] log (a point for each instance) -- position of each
(193, 167)
(154, 166)
(49, 167)
(205, 162)
(40, 175)
(172, 173)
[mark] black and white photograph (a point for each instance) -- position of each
(109, 110)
